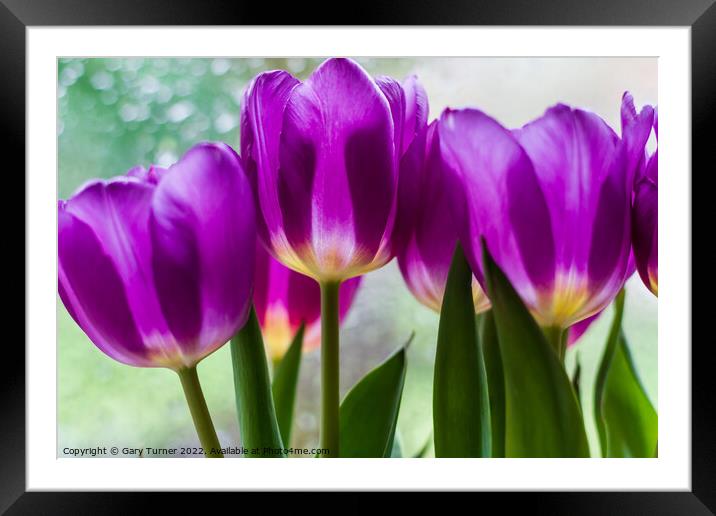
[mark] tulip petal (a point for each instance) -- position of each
(151, 175)
(411, 161)
(582, 168)
(93, 291)
(636, 128)
(651, 171)
(261, 119)
(495, 185)
(337, 178)
(303, 299)
(424, 205)
(580, 328)
(202, 229)
(409, 188)
(646, 233)
(610, 249)
(118, 213)
(273, 307)
(296, 180)
(265, 273)
(416, 110)
(395, 95)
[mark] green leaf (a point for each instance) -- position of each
(284, 385)
(542, 415)
(369, 412)
(461, 407)
(254, 402)
(626, 421)
(495, 382)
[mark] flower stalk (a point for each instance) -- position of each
(330, 370)
(200, 412)
(557, 338)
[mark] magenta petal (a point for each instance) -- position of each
(580, 328)
(138, 172)
(262, 282)
(303, 299)
(92, 289)
(338, 174)
(645, 197)
(583, 171)
(497, 187)
(430, 236)
(261, 120)
(203, 236)
(411, 161)
(609, 253)
(651, 170)
(393, 92)
(416, 110)
(118, 213)
(151, 175)
(410, 182)
(636, 128)
(295, 183)
(645, 233)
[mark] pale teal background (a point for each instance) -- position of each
(117, 113)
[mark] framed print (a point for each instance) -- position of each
(420, 253)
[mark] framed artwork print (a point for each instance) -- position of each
(417, 253)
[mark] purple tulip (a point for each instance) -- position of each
(157, 266)
(323, 158)
(426, 237)
(645, 233)
(285, 299)
(552, 201)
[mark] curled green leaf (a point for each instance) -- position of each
(626, 420)
(461, 407)
(369, 412)
(542, 415)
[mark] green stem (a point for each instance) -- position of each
(329, 368)
(199, 412)
(557, 338)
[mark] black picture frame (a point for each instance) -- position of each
(17, 15)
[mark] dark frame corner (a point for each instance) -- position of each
(700, 15)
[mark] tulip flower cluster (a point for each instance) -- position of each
(336, 176)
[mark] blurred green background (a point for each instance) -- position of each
(117, 113)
